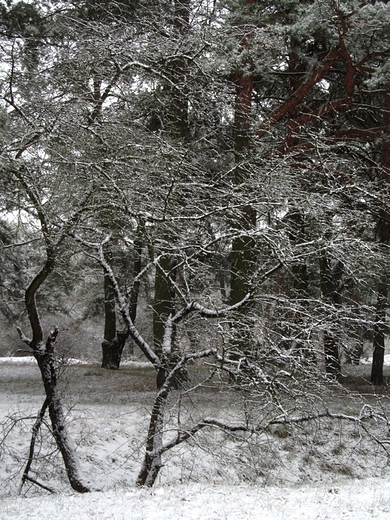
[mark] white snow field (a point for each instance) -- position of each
(367, 499)
(109, 429)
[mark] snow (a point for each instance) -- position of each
(368, 361)
(31, 361)
(102, 433)
(360, 500)
(24, 360)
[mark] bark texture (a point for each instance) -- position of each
(380, 328)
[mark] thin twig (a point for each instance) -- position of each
(35, 430)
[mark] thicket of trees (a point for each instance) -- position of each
(227, 162)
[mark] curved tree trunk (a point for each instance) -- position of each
(44, 354)
(46, 363)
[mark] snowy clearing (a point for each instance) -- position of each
(30, 360)
(109, 427)
(368, 499)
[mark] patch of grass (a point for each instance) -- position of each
(93, 373)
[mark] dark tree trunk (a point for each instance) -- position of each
(44, 354)
(111, 346)
(379, 336)
(243, 246)
(112, 352)
(291, 325)
(114, 340)
(152, 460)
(177, 70)
(330, 289)
(241, 268)
(380, 328)
(137, 267)
(163, 306)
(46, 363)
(332, 356)
(178, 129)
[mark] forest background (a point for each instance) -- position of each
(203, 185)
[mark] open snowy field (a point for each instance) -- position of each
(362, 500)
(108, 413)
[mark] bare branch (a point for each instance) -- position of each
(35, 430)
(183, 435)
(134, 333)
(24, 338)
(39, 484)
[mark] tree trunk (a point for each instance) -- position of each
(152, 460)
(44, 354)
(379, 336)
(380, 328)
(177, 69)
(112, 352)
(114, 340)
(330, 289)
(242, 255)
(46, 363)
(111, 346)
(163, 307)
(332, 356)
(137, 267)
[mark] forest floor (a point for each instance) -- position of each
(323, 471)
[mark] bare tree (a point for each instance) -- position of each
(42, 350)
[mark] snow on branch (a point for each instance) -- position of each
(23, 337)
(181, 363)
(209, 313)
(171, 320)
(315, 77)
(183, 435)
(133, 331)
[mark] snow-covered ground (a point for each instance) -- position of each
(363, 500)
(105, 439)
(30, 360)
(368, 361)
